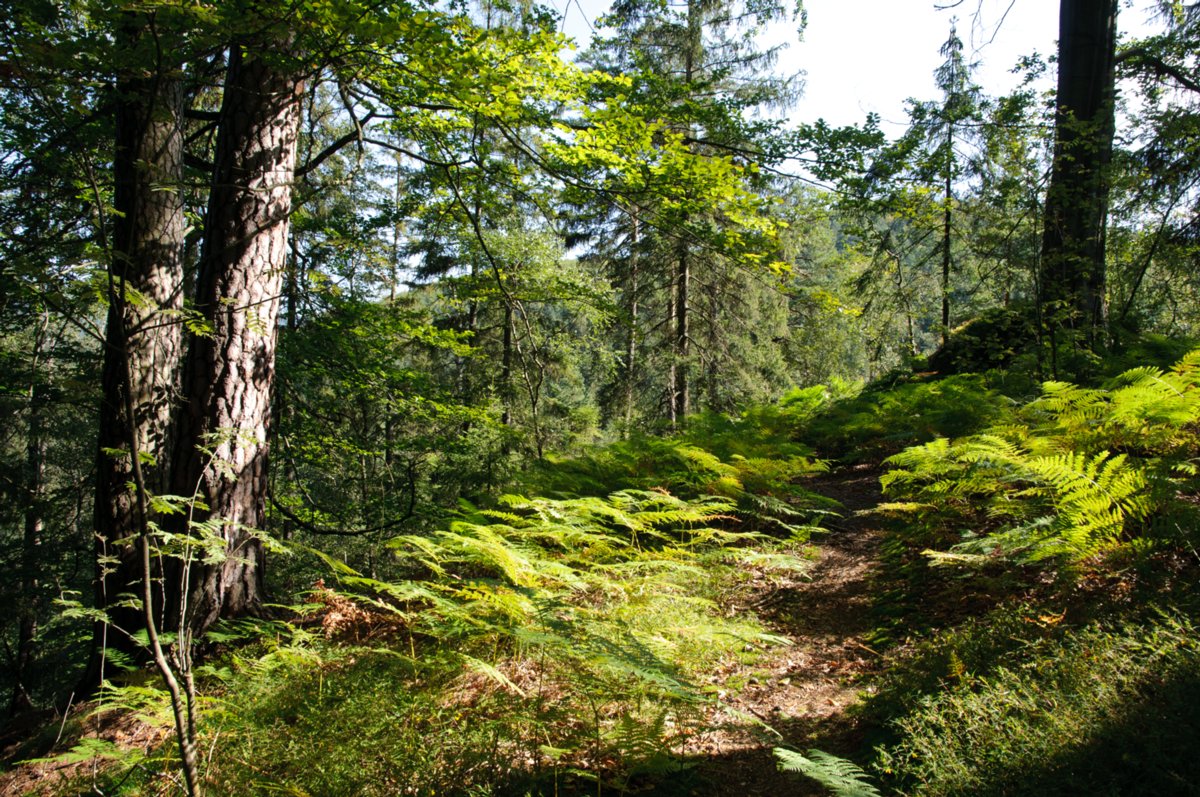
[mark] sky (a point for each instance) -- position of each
(860, 56)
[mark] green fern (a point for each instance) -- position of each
(1086, 472)
(843, 778)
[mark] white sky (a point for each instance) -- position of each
(872, 55)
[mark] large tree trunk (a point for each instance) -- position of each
(229, 374)
(693, 55)
(143, 337)
(1072, 292)
(35, 523)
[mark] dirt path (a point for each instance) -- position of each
(800, 693)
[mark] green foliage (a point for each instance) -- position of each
(1068, 506)
(992, 340)
(538, 640)
(345, 723)
(1110, 709)
(1081, 471)
(751, 458)
(885, 418)
(841, 777)
(88, 749)
(641, 462)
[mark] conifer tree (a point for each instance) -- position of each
(699, 72)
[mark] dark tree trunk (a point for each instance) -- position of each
(507, 394)
(683, 279)
(710, 399)
(673, 369)
(693, 55)
(1073, 242)
(947, 231)
(34, 526)
(221, 451)
(632, 339)
(143, 335)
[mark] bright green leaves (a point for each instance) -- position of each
(625, 151)
(1063, 506)
(441, 74)
(1084, 474)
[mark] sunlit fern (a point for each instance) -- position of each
(841, 777)
(1084, 473)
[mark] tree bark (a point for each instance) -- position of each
(1073, 242)
(229, 374)
(143, 333)
(673, 367)
(947, 231)
(507, 394)
(693, 55)
(34, 526)
(683, 279)
(631, 341)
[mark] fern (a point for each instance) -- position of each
(843, 778)
(1086, 472)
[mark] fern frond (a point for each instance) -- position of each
(843, 778)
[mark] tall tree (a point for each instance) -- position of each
(960, 104)
(229, 373)
(909, 209)
(143, 337)
(1073, 284)
(1158, 208)
(699, 73)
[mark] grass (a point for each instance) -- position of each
(1104, 709)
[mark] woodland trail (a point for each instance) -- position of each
(801, 692)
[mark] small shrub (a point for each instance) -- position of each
(991, 341)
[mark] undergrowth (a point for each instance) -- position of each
(563, 641)
(1074, 474)
(544, 646)
(544, 641)
(884, 419)
(753, 459)
(1022, 707)
(1053, 673)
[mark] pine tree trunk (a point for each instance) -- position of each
(947, 229)
(1073, 242)
(143, 334)
(221, 453)
(683, 278)
(34, 526)
(673, 367)
(693, 55)
(632, 340)
(507, 393)
(710, 398)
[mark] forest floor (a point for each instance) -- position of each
(801, 693)
(796, 695)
